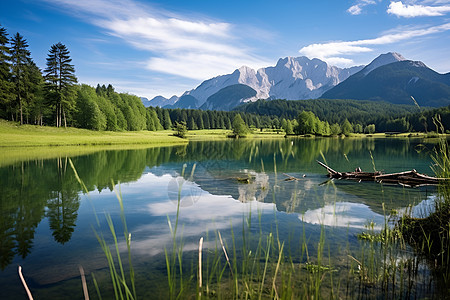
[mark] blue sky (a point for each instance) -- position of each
(151, 48)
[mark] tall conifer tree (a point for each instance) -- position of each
(5, 74)
(60, 81)
(20, 66)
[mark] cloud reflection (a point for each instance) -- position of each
(343, 214)
(200, 212)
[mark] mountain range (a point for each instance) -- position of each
(389, 77)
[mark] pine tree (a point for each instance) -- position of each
(20, 64)
(181, 129)
(33, 93)
(150, 123)
(5, 74)
(206, 123)
(152, 120)
(191, 124)
(228, 123)
(199, 120)
(60, 80)
(167, 122)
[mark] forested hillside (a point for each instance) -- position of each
(331, 110)
(396, 83)
(385, 116)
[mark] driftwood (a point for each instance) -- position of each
(291, 178)
(408, 178)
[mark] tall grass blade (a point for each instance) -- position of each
(269, 240)
(226, 255)
(30, 297)
(96, 287)
(200, 246)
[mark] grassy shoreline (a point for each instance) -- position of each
(14, 135)
(28, 142)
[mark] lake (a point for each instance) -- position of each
(235, 187)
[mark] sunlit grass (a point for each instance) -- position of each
(13, 135)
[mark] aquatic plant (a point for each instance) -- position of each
(124, 285)
(431, 235)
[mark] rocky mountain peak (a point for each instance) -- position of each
(291, 78)
(382, 60)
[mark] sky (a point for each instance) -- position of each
(150, 48)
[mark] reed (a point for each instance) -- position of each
(430, 236)
(121, 281)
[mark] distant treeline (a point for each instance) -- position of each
(104, 109)
(386, 117)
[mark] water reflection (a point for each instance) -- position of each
(39, 190)
(200, 212)
(344, 214)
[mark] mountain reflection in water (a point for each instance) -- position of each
(46, 221)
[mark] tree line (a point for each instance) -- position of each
(27, 94)
(386, 117)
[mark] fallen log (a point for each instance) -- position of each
(331, 172)
(349, 175)
(292, 178)
(407, 178)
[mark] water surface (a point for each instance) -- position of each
(47, 222)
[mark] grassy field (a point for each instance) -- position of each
(222, 134)
(27, 142)
(13, 135)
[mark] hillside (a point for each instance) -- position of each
(334, 111)
(229, 97)
(396, 83)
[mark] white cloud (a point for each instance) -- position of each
(196, 49)
(333, 51)
(417, 10)
(357, 8)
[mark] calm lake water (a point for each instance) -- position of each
(47, 223)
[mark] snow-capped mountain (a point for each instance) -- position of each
(292, 78)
